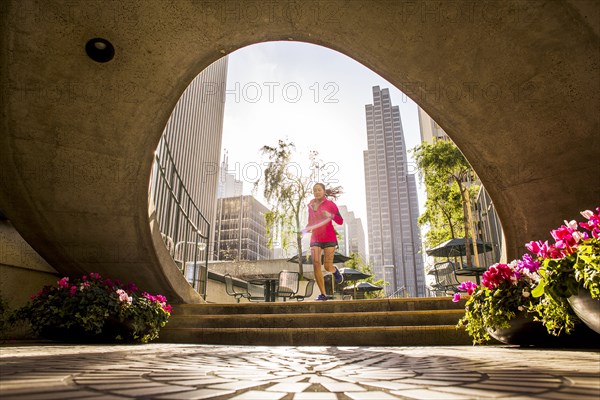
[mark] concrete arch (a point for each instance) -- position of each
(515, 84)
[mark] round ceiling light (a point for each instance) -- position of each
(100, 50)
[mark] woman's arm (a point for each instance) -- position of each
(334, 214)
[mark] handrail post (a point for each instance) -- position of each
(175, 218)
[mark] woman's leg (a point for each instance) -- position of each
(316, 259)
(329, 253)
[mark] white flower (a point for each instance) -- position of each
(587, 214)
(571, 224)
(526, 293)
(520, 308)
(124, 297)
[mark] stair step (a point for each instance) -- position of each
(375, 322)
(311, 320)
(336, 306)
(440, 335)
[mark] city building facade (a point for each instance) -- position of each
(351, 235)
(392, 203)
(229, 185)
(183, 187)
(240, 230)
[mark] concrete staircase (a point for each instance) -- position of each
(381, 322)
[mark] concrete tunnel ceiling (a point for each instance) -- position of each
(515, 84)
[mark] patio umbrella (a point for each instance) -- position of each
(456, 248)
(337, 258)
(352, 275)
(363, 287)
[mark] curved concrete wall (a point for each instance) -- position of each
(515, 84)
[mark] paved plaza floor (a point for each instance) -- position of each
(175, 371)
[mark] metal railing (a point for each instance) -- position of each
(402, 292)
(184, 228)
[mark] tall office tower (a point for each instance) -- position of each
(193, 137)
(240, 229)
(392, 204)
(351, 235)
(229, 185)
(430, 130)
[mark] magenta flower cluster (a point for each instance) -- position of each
(567, 237)
(117, 286)
(159, 298)
(499, 274)
(102, 309)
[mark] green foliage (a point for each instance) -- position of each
(556, 314)
(92, 309)
(491, 309)
(587, 267)
(287, 189)
(444, 171)
(562, 278)
(359, 264)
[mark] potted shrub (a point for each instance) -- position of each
(570, 272)
(502, 301)
(93, 309)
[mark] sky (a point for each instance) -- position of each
(314, 97)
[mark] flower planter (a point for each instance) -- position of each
(586, 308)
(524, 331)
(113, 331)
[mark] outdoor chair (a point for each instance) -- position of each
(445, 277)
(256, 292)
(230, 290)
(288, 284)
(308, 291)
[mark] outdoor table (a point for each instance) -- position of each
(270, 285)
(473, 271)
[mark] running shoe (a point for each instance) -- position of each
(321, 297)
(338, 277)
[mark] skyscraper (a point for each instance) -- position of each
(229, 185)
(351, 235)
(392, 204)
(192, 139)
(240, 229)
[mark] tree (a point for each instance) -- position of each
(287, 190)
(359, 264)
(446, 173)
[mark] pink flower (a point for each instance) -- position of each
(63, 283)
(543, 249)
(593, 223)
(108, 283)
(168, 308)
(131, 287)
(495, 275)
(456, 297)
(124, 297)
(468, 287)
(73, 290)
(527, 262)
(95, 276)
(565, 241)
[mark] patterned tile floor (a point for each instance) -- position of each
(174, 371)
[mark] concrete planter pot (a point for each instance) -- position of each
(525, 332)
(586, 308)
(112, 329)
